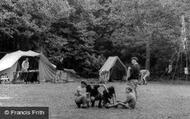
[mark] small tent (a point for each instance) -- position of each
(66, 75)
(9, 65)
(115, 67)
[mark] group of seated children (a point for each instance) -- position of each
(87, 95)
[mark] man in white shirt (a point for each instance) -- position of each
(25, 65)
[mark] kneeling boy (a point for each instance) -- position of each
(82, 96)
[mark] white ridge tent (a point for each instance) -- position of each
(115, 67)
(10, 62)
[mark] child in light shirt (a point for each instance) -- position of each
(82, 96)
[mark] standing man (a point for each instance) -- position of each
(133, 71)
(25, 65)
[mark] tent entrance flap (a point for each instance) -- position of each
(33, 62)
(117, 72)
(32, 75)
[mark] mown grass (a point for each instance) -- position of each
(155, 101)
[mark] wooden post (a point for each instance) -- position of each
(184, 43)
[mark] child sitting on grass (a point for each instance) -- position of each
(82, 96)
(130, 101)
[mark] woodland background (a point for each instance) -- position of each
(81, 34)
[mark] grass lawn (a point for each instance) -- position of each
(155, 101)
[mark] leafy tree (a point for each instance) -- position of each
(81, 34)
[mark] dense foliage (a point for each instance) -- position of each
(82, 34)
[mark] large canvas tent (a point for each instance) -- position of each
(115, 67)
(10, 62)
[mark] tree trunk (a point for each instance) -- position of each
(148, 53)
